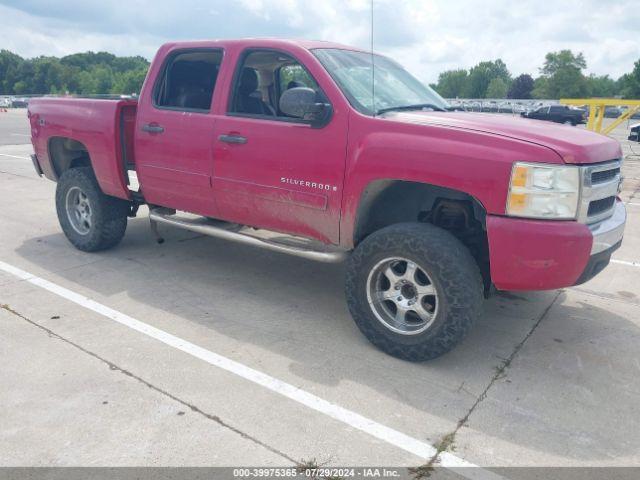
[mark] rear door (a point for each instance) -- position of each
(273, 171)
(557, 114)
(537, 114)
(543, 113)
(173, 141)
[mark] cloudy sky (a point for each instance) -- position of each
(427, 36)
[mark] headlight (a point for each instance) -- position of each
(543, 191)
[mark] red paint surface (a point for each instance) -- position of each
(188, 168)
(536, 254)
(94, 123)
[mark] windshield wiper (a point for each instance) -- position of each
(418, 106)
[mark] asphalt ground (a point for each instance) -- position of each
(201, 352)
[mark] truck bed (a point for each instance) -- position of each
(102, 127)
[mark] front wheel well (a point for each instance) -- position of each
(387, 202)
(66, 153)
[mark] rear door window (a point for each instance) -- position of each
(188, 80)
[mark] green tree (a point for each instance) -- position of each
(47, 75)
(126, 64)
(86, 60)
(601, 86)
(540, 86)
(103, 77)
(557, 61)
(9, 71)
(497, 88)
(481, 75)
(26, 72)
(20, 87)
(87, 84)
(629, 83)
(563, 73)
(86, 73)
(452, 83)
(71, 78)
(521, 87)
(129, 82)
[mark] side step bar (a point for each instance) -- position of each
(291, 245)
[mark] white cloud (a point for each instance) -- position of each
(427, 36)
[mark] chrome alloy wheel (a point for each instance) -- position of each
(79, 210)
(402, 296)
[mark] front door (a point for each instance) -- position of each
(273, 171)
(174, 137)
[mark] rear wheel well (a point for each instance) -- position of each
(387, 202)
(66, 153)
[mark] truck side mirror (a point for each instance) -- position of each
(301, 102)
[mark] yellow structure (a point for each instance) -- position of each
(597, 107)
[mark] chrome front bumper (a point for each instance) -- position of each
(609, 232)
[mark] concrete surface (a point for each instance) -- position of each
(544, 379)
(14, 127)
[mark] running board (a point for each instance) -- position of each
(277, 242)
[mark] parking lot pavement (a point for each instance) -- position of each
(14, 127)
(547, 378)
(63, 406)
(571, 394)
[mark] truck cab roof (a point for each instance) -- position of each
(259, 43)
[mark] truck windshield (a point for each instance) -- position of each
(395, 88)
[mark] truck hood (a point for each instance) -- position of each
(573, 144)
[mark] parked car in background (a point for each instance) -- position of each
(558, 114)
(19, 103)
(634, 136)
(518, 108)
(634, 116)
(613, 112)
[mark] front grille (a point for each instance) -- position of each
(599, 189)
(597, 207)
(604, 175)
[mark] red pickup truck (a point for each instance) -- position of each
(285, 145)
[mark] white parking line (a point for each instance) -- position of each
(21, 135)
(348, 417)
(624, 262)
(13, 156)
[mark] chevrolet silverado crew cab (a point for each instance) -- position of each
(285, 145)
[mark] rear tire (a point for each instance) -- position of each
(91, 220)
(413, 290)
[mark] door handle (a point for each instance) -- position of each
(238, 139)
(152, 128)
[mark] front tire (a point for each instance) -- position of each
(413, 290)
(90, 220)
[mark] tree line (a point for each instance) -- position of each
(81, 73)
(561, 76)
